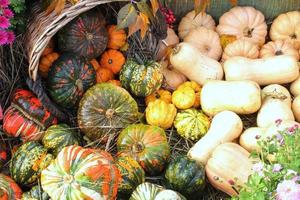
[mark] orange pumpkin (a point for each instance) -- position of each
(104, 75)
(95, 64)
(115, 82)
(113, 60)
(46, 62)
(161, 94)
(116, 38)
(49, 48)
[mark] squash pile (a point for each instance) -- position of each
(201, 83)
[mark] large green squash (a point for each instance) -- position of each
(106, 107)
(28, 162)
(86, 35)
(191, 123)
(141, 80)
(185, 176)
(9, 190)
(36, 193)
(59, 136)
(69, 77)
(146, 144)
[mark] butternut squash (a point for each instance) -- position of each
(250, 137)
(242, 97)
(277, 69)
(276, 91)
(188, 60)
(280, 126)
(296, 108)
(225, 127)
(295, 87)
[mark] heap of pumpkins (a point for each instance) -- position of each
(218, 69)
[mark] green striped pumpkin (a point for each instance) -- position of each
(141, 80)
(9, 190)
(35, 193)
(146, 191)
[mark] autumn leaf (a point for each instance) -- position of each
(234, 2)
(142, 23)
(145, 9)
(200, 6)
(155, 6)
(126, 16)
(57, 6)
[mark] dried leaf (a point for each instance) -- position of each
(144, 8)
(200, 6)
(126, 16)
(227, 39)
(155, 6)
(142, 23)
(234, 2)
(57, 6)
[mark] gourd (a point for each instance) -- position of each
(229, 167)
(184, 98)
(296, 108)
(197, 89)
(286, 27)
(146, 191)
(278, 47)
(46, 62)
(276, 91)
(249, 138)
(160, 94)
(225, 127)
(172, 77)
(244, 23)
(35, 193)
(190, 22)
(115, 82)
(169, 195)
(171, 40)
(241, 47)
(113, 60)
(9, 190)
(242, 97)
(277, 69)
(104, 75)
(295, 87)
(116, 38)
(188, 60)
(207, 41)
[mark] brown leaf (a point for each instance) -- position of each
(200, 6)
(234, 2)
(127, 16)
(144, 8)
(155, 6)
(142, 23)
(57, 5)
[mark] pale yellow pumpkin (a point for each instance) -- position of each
(241, 47)
(171, 40)
(287, 27)
(244, 22)
(190, 22)
(184, 98)
(207, 41)
(278, 47)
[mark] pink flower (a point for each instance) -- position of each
(277, 168)
(3, 37)
(4, 22)
(288, 190)
(8, 13)
(258, 167)
(4, 3)
(10, 37)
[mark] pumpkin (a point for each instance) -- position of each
(27, 117)
(250, 137)
(146, 144)
(69, 77)
(95, 64)
(105, 107)
(113, 60)
(265, 71)
(115, 82)
(85, 35)
(241, 47)
(191, 124)
(295, 86)
(195, 86)
(172, 77)
(184, 98)
(141, 79)
(35, 193)
(28, 162)
(188, 60)
(132, 174)
(169, 195)
(58, 136)
(46, 62)
(78, 173)
(161, 94)
(171, 40)
(185, 176)
(226, 39)
(146, 191)
(244, 23)
(159, 113)
(207, 41)
(278, 47)
(286, 27)
(9, 190)
(49, 47)
(229, 168)
(226, 126)
(104, 75)
(190, 22)
(116, 37)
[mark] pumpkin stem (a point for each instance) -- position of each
(293, 36)
(279, 52)
(89, 36)
(248, 32)
(79, 84)
(110, 61)
(109, 113)
(137, 148)
(176, 49)
(68, 179)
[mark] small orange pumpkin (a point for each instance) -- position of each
(49, 48)
(161, 94)
(115, 82)
(104, 75)
(113, 60)
(116, 38)
(95, 64)
(46, 62)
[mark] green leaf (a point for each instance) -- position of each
(126, 16)
(145, 9)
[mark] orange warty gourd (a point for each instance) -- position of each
(161, 94)
(104, 75)
(46, 62)
(241, 47)
(49, 48)
(113, 60)
(116, 38)
(278, 47)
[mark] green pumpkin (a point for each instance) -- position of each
(59, 136)
(132, 174)
(191, 123)
(146, 191)
(28, 162)
(185, 176)
(36, 193)
(104, 108)
(69, 77)
(141, 80)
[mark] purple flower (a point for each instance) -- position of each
(3, 37)
(8, 13)
(10, 37)
(291, 130)
(288, 190)
(4, 3)
(4, 22)
(277, 168)
(258, 167)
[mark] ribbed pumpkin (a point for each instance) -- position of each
(36, 193)
(146, 144)
(184, 97)
(68, 79)
(161, 94)
(9, 190)
(28, 162)
(185, 176)
(105, 107)
(141, 80)
(116, 38)
(146, 191)
(191, 123)
(278, 47)
(27, 117)
(78, 173)
(58, 136)
(86, 35)
(132, 174)
(46, 62)
(113, 60)
(241, 47)
(104, 75)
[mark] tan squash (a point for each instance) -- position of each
(242, 97)
(244, 22)
(241, 47)
(250, 137)
(190, 22)
(296, 108)
(171, 40)
(278, 47)
(226, 126)
(273, 70)
(276, 91)
(279, 126)
(295, 87)
(207, 41)
(229, 167)
(188, 60)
